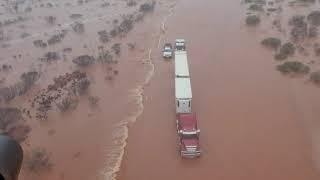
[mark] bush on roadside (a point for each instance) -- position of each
(252, 20)
(295, 67)
(286, 50)
(271, 42)
(84, 60)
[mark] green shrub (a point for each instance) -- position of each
(288, 49)
(252, 20)
(315, 77)
(255, 7)
(280, 56)
(271, 42)
(314, 18)
(293, 67)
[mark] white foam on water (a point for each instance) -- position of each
(120, 133)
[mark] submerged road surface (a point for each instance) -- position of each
(255, 123)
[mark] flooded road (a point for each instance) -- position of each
(255, 123)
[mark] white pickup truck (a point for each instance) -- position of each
(167, 51)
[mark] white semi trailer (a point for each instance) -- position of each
(183, 95)
(181, 64)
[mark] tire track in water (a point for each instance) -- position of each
(120, 133)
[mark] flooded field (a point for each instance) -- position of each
(84, 89)
(72, 79)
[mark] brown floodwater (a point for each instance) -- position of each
(255, 123)
(87, 143)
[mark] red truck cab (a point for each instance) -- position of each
(188, 132)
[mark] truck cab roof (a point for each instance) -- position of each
(192, 141)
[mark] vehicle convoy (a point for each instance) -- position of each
(167, 51)
(187, 126)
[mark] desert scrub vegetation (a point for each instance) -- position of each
(315, 77)
(147, 7)
(293, 67)
(81, 86)
(75, 16)
(51, 20)
(252, 20)
(12, 123)
(93, 100)
(314, 18)
(105, 56)
(256, 7)
(131, 3)
(40, 43)
(50, 57)
(38, 161)
(256, 1)
(57, 38)
(103, 36)
(27, 80)
(84, 60)
(299, 27)
(78, 27)
(287, 49)
(67, 103)
(131, 46)
(116, 48)
(271, 42)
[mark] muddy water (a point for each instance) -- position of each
(255, 123)
(87, 143)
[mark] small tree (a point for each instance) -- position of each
(271, 42)
(293, 67)
(116, 48)
(252, 20)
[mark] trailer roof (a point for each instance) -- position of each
(181, 64)
(183, 88)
